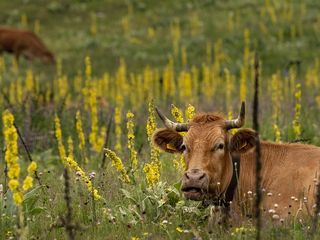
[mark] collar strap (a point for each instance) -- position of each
(225, 198)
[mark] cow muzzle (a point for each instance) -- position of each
(195, 183)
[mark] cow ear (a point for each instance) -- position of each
(243, 140)
(168, 140)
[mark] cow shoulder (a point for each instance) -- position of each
(243, 140)
(168, 140)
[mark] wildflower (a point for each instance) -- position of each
(92, 175)
(88, 68)
(117, 163)
(133, 152)
(13, 184)
(151, 122)
(190, 111)
(1, 188)
(277, 133)
(58, 133)
(17, 198)
(32, 167)
(73, 165)
(70, 147)
(296, 122)
(11, 155)
(179, 229)
(27, 183)
(272, 210)
(275, 217)
(79, 128)
(117, 119)
(152, 173)
(176, 113)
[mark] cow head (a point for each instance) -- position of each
(207, 147)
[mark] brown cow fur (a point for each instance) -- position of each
(25, 43)
(289, 171)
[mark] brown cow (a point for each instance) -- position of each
(25, 43)
(289, 171)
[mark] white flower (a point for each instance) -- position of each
(1, 188)
(272, 211)
(275, 217)
(92, 175)
(269, 194)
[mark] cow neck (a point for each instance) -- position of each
(225, 198)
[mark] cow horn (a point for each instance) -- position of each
(238, 122)
(179, 127)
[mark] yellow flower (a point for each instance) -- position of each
(80, 131)
(58, 133)
(27, 183)
(32, 167)
(176, 113)
(179, 229)
(152, 172)
(117, 163)
(73, 165)
(117, 120)
(297, 121)
(13, 184)
(151, 122)
(17, 198)
(133, 152)
(190, 111)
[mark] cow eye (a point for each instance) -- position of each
(182, 148)
(220, 146)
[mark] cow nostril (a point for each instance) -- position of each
(202, 176)
(186, 175)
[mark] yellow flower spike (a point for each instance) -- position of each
(131, 137)
(117, 163)
(296, 124)
(152, 169)
(32, 167)
(80, 132)
(152, 173)
(177, 113)
(70, 147)
(88, 68)
(29, 81)
(190, 112)
(11, 155)
(117, 120)
(27, 183)
(17, 198)
(58, 133)
(168, 79)
(13, 184)
(73, 165)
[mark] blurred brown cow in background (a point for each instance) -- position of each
(25, 43)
